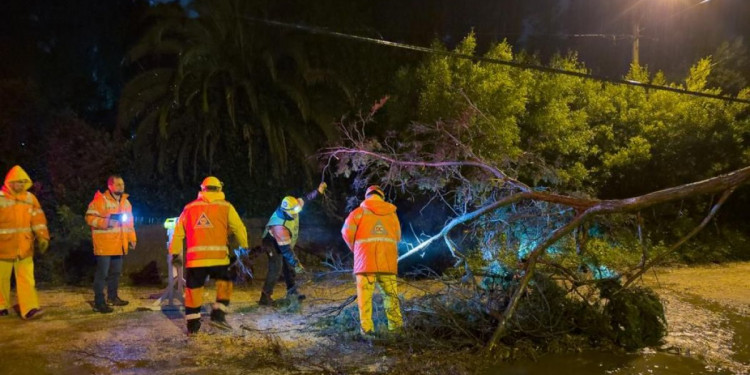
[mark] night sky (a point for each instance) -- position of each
(675, 32)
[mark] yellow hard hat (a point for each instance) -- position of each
(291, 205)
(211, 181)
(374, 189)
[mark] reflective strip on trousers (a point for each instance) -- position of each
(193, 316)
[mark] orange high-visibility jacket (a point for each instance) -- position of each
(206, 223)
(372, 232)
(110, 237)
(21, 218)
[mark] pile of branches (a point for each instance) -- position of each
(549, 318)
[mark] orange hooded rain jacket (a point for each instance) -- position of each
(21, 218)
(372, 232)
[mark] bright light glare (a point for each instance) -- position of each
(124, 218)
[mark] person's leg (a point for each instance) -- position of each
(365, 288)
(113, 281)
(274, 270)
(194, 280)
(6, 268)
(288, 273)
(388, 286)
(28, 299)
(224, 288)
(102, 269)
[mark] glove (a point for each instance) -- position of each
(177, 259)
(42, 245)
(322, 187)
(131, 246)
(298, 269)
(236, 253)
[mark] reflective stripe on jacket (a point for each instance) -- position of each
(110, 240)
(206, 224)
(21, 219)
(372, 232)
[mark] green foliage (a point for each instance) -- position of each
(637, 315)
(730, 61)
(576, 134)
(80, 158)
(70, 259)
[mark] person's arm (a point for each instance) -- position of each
(175, 244)
(349, 230)
(96, 217)
(398, 226)
(313, 194)
(237, 227)
(39, 225)
(38, 221)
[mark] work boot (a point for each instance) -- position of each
(4, 312)
(33, 314)
(193, 326)
(293, 293)
(265, 300)
(103, 308)
(219, 320)
(367, 336)
(117, 302)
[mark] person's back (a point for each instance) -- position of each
(207, 238)
(375, 242)
(205, 225)
(372, 232)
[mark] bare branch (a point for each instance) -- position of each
(658, 259)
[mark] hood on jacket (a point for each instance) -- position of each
(210, 196)
(378, 206)
(17, 174)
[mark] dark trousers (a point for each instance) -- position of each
(108, 270)
(195, 278)
(276, 265)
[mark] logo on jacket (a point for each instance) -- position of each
(203, 222)
(379, 229)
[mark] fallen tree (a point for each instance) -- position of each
(436, 161)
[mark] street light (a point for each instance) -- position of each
(637, 31)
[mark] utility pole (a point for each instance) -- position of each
(636, 42)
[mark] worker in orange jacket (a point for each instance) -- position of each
(372, 232)
(21, 221)
(206, 224)
(110, 217)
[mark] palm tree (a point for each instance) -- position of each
(213, 76)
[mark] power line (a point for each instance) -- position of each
(540, 68)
